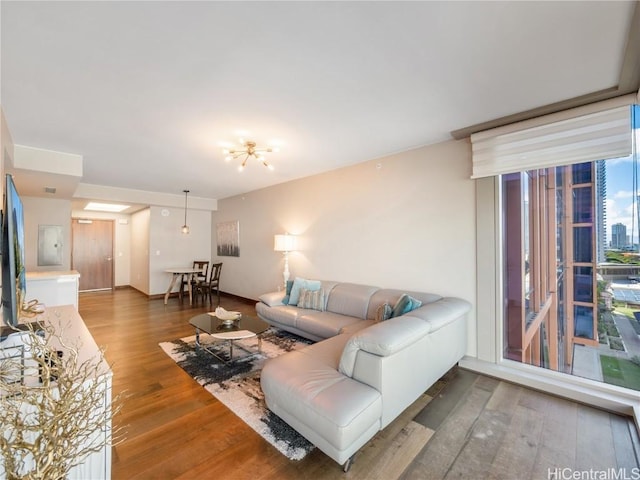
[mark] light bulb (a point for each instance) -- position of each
(241, 168)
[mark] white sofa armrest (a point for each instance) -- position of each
(272, 299)
(383, 339)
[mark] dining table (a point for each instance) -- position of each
(181, 273)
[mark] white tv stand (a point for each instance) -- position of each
(54, 287)
(65, 319)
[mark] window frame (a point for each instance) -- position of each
(487, 330)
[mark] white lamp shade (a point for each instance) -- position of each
(284, 243)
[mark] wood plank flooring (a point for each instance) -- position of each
(465, 426)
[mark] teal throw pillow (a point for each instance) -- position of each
(287, 292)
(405, 304)
(300, 283)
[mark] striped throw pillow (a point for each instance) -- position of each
(313, 300)
(383, 312)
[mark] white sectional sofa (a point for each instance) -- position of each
(361, 374)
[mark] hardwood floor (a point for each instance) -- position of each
(472, 427)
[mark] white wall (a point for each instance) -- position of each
(46, 211)
(6, 155)
(489, 330)
(122, 242)
(6, 147)
(169, 247)
(405, 221)
(139, 277)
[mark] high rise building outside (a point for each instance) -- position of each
(618, 235)
(601, 209)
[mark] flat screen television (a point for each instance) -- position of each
(14, 279)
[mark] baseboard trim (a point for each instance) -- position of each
(248, 301)
(160, 296)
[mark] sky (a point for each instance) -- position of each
(620, 206)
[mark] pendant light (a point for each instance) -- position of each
(185, 227)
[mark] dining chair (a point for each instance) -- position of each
(203, 266)
(206, 288)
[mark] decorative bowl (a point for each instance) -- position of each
(229, 321)
(223, 314)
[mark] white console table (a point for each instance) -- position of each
(66, 319)
(54, 288)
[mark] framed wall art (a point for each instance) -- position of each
(228, 238)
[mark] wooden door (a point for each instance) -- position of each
(92, 253)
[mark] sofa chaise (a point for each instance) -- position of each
(364, 369)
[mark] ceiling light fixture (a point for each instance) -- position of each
(185, 227)
(105, 207)
(249, 149)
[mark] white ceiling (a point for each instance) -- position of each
(148, 91)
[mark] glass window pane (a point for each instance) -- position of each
(559, 176)
(582, 205)
(555, 236)
(560, 213)
(582, 244)
(583, 284)
(528, 283)
(561, 308)
(581, 173)
(583, 321)
(514, 265)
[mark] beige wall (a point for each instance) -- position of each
(168, 247)
(405, 221)
(149, 241)
(139, 278)
(46, 211)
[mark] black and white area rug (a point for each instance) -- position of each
(237, 383)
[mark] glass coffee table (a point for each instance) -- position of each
(247, 326)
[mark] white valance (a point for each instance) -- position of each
(564, 138)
